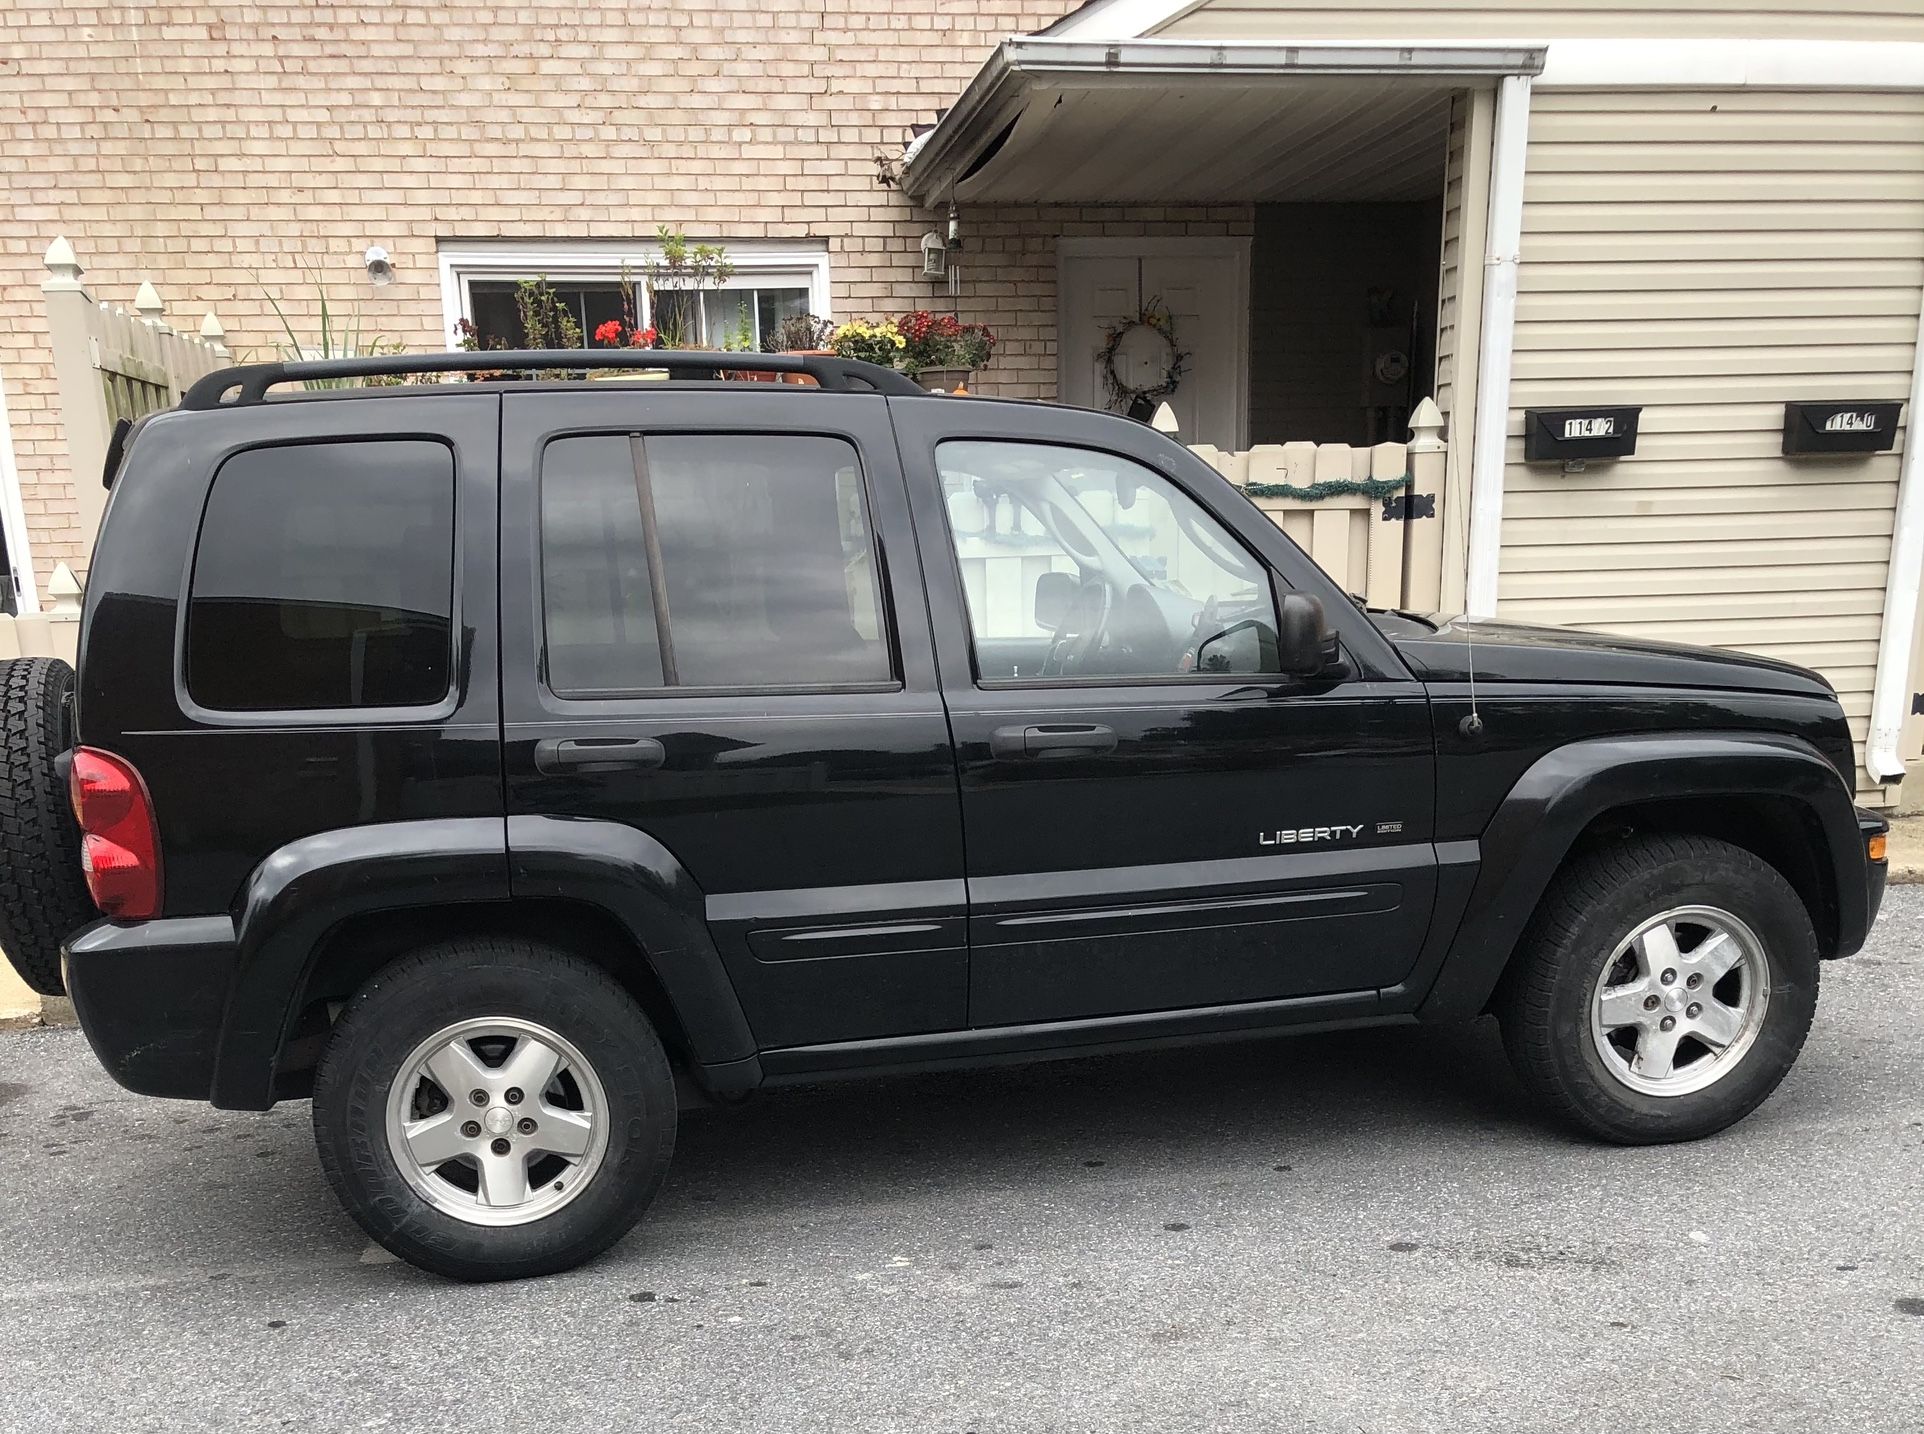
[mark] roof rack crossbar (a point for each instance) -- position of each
(254, 379)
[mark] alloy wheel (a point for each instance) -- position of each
(1680, 1001)
(497, 1121)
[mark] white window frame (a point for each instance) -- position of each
(759, 265)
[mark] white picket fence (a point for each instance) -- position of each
(1387, 552)
(111, 364)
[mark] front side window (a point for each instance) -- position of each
(1081, 564)
(768, 574)
(324, 578)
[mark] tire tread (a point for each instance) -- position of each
(43, 892)
(347, 1114)
(1526, 1002)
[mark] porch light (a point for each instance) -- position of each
(935, 256)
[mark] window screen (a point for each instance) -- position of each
(324, 578)
(768, 564)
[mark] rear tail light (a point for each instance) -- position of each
(119, 843)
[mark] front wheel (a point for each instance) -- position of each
(492, 1109)
(1663, 990)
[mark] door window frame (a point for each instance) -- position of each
(1278, 584)
(886, 608)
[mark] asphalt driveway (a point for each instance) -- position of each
(1357, 1232)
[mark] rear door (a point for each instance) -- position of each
(747, 677)
(1157, 819)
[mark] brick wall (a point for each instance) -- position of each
(228, 151)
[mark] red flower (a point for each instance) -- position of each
(608, 333)
(645, 339)
(920, 326)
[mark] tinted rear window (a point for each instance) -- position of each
(767, 560)
(324, 578)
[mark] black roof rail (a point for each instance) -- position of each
(254, 379)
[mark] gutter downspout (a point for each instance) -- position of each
(1496, 342)
(1882, 759)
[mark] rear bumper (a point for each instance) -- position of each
(150, 996)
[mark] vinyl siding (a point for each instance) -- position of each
(1532, 19)
(1466, 198)
(1709, 256)
(1449, 286)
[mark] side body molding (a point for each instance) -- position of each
(639, 883)
(1566, 789)
(303, 890)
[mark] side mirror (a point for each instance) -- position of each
(1305, 645)
(1055, 594)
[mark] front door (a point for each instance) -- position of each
(1203, 286)
(1156, 818)
(746, 677)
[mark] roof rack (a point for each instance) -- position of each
(254, 379)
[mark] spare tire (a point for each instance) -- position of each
(43, 893)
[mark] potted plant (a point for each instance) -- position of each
(546, 323)
(622, 334)
(677, 275)
(974, 347)
(798, 334)
(941, 352)
(881, 343)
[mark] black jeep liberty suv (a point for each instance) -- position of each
(502, 763)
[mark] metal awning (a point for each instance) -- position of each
(1051, 120)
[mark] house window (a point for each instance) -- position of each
(770, 282)
(497, 318)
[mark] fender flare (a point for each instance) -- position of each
(306, 888)
(309, 886)
(1563, 791)
(642, 885)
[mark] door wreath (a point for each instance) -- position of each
(1145, 344)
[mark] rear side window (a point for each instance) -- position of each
(768, 574)
(324, 578)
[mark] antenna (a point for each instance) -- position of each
(1472, 725)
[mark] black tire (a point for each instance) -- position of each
(43, 893)
(1595, 904)
(417, 996)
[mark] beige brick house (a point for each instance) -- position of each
(1704, 214)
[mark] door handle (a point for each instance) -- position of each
(1058, 739)
(598, 754)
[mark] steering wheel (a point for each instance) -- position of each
(1207, 621)
(1081, 630)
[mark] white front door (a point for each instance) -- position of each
(1203, 283)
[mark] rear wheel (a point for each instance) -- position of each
(43, 893)
(492, 1109)
(1663, 990)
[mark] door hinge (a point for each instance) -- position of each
(1409, 505)
(1917, 703)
